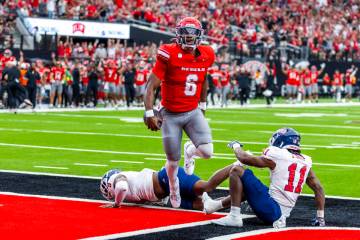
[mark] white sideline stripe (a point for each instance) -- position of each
(159, 229)
(320, 134)
(123, 161)
(98, 178)
(91, 164)
(51, 167)
(270, 230)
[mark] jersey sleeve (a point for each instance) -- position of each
(272, 153)
(162, 58)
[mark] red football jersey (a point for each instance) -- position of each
(182, 75)
(348, 79)
(225, 78)
(216, 74)
(110, 75)
(293, 77)
(337, 80)
(306, 78)
(141, 77)
(314, 76)
(58, 73)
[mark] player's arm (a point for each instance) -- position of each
(150, 119)
(203, 96)
(250, 160)
(314, 183)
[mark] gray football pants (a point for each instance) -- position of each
(194, 124)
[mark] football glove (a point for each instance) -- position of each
(234, 144)
(318, 221)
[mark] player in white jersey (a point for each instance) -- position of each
(153, 186)
(289, 170)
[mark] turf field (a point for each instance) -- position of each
(90, 143)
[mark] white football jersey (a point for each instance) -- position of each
(141, 186)
(288, 177)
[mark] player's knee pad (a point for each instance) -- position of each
(206, 150)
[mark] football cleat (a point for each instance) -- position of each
(210, 205)
(189, 161)
(318, 221)
(280, 223)
(175, 198)
(229, 221)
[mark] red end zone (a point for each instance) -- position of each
(43, 218)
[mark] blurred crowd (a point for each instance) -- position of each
(113, 74)
(323, 29)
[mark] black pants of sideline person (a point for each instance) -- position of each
(16, 94)
(76, 94)
(91, 90)
(244, 94)
(32, 94)
(130, 93)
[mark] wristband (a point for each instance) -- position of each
(202, 105)
(149, 113)
(320, 213)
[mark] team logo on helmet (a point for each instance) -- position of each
(286, 138)
(189, 33)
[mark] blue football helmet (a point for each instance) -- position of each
(286, 138)
(106, 186)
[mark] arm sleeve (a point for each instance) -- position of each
(121, 189)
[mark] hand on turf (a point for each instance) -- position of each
(234, 144)
(153, 123)
(318, 221)
(110, 205)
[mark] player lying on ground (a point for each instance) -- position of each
(151, 186)
(289, 171)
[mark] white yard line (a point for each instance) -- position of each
(91, 164)
(51, 167)
(271, 230)
(115, 152)
(155, 159)
(337, 165)
(123, 161)
(282, 124)
(306, 147)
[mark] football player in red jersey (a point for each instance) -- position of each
(349, 76)
(181, 70)
(141, 76)
(291, 83)
(314, 79)
(57, 74)
(337, 85)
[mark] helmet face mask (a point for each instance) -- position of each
(106, 184)
(189, 33)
